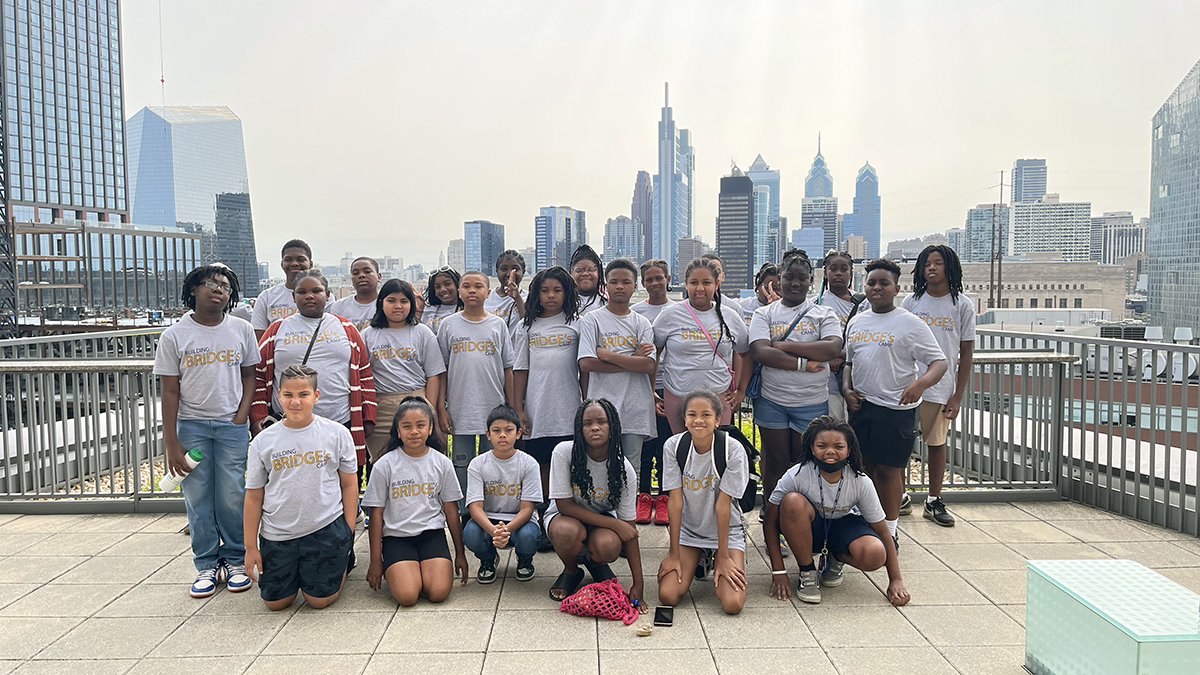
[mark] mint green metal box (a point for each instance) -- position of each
(1096, 617)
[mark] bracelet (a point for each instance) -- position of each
(801, 362)
(774, 572)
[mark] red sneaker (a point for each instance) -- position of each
(660, 510)
(645, 508)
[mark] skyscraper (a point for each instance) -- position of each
(1050, 225)
(819, 207)
(483, 243)
(765, 240)
(1028, 180)
(1174, 235)
(762, 174)
(64, 137)
(456, 255)
(641, 211)
(866, 209)
(1115, 235)
(956, 238)
(819, 183)
(235, 240)
(622, 239)
(811, 240)
(735, 230)
(977, 246)
(672, 196)
(558, 231)
(690, 248)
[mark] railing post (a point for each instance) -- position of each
(1057, 425)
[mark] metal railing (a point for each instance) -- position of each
(115, 344)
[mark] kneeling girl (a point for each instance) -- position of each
(703, 510)
(814, 503)
(413, 494)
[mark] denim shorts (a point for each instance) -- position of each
(768, 415)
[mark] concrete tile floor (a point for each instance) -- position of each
(108, 594)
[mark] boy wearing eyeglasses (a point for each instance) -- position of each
(206, 362)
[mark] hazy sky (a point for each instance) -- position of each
(379, 127)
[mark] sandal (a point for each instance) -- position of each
(567, 583)
(599, 571)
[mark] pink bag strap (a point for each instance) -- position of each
(688, 305)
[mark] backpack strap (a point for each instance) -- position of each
(681, 450)
(720, 442)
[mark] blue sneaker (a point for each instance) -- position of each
(205, 583)
(236, 579)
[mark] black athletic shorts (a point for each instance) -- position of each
(541, 448)
(314, 563)
(424, 546)
(842, 531)
(885, 435)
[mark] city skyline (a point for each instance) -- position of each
(937, 165)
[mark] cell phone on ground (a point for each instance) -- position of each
(664, 616)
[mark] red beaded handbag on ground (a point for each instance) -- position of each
(603, 599)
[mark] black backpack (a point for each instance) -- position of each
(749, 498)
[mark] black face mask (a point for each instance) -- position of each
(831, 467)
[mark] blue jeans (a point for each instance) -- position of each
(215, 491)
(525, 539)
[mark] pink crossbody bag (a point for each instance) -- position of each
(732, 377)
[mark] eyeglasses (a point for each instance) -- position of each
(591, 269)
(214, 286)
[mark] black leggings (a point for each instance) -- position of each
(652, 452)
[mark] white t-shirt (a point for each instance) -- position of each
(701, 483)
(273, 304)
(434, 314)
(505, 308)
(590, 303)
(298, 469)
(632, 393)
(749, 306)
(549, 351)
(562, 488)
(476, 354)
(412, 491)
(651, 313)
(952, 324)
(402, 359)
(858, 493)
(349, 309)
(842, 309)
(794, 388)
(330, 357)
(886, 351)
(502, 484)
(689, 361)
(208, 362)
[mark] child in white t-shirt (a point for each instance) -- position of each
(504, 486)
(301, 500)
(413, 495)
(827, 505)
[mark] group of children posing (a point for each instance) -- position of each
(558, 405)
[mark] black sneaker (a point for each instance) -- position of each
(936, 511)
(487, 571)
(705, 565)
(762, 513)
(525, 569)
(905, 504)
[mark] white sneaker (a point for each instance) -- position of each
(205, 583)
(236, 579)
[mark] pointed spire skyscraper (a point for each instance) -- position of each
(672, 198)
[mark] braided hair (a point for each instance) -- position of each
(581, 477)
(830, 256)
(829, 423)
(585, 252)
(515, 255)
(795, 256)
(767, 269)
(708, 264)
(570, 303)
(953, 271)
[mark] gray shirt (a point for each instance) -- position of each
(476, 354)
(502, 484)
(273, 304)
(330, 357)
(794, 388)
(549, 351)
(589, 304)
(402, 359)
(298, 469)
(886, 351)
(952, 323)
(412, 491)
(651, 313)
(689, 361)
(434, 314)
(561, 487)
(208, 361)
(858, 493)
(749, 306)
(701, 483)
(842, 309)
(632, 393)
(349, 309)
(505, 308)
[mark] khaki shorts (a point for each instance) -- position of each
(934, 424)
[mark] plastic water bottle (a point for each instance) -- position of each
(169, 482)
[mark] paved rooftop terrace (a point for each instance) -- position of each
(108, 594)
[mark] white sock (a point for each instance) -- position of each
(891, 525)
(930, 499)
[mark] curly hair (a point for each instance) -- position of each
(570, 303)
(391, 286)
(710, 266)
(953, 271)
(422, 406)
(829, 423)
(204, 273)
(581, 477)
